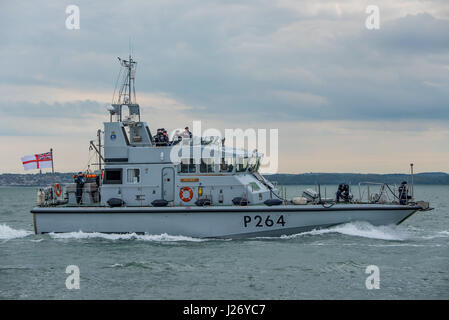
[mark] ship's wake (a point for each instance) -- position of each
(353, 229)
(356, 229)
(359, 229)
(124, 236)
(7, 233)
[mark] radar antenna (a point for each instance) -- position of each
(127, 93)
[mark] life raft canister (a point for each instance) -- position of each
(181, 194)
(58, 189)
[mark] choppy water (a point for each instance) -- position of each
(413, 260)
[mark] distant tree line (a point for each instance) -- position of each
(440, 178)
(355, 178)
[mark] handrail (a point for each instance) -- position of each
(383, 191)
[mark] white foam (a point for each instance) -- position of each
(7, 233)
(117, 265)
(359, 229)
(440, 234)
(125, 236)
(366, 230)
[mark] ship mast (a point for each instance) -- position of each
(127, 92)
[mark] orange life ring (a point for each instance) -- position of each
(58, 189)
(181, 194)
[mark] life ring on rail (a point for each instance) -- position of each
(58, 189)
(181, 194)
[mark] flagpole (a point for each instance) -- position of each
(52, 166)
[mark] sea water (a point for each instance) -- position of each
(412, 260)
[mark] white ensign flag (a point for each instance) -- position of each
(37, 161)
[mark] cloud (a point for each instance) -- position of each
(72, 109)
(236, 58)
(412, 35)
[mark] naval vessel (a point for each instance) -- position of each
(140, 188)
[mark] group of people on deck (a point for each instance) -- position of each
(344, 194)
(162, 140)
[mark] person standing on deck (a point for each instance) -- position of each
(187, 134)
(79, 180)
(403, 193)
(343, 193)
(177, 137)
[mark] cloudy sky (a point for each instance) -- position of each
(344, 98)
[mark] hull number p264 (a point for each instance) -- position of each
(260, 221)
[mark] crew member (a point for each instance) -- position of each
(343, 192)
(79, 180)
(187, 133)
(403, 193)
(165, 138)
(177, 137)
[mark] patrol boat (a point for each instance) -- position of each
(140, 188)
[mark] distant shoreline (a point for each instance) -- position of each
(424, 178)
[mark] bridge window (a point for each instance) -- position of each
(242, 164)
(188, 166)
(253, 164)
(207, 165)
(227, 164)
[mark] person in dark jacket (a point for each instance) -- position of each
(165, 138)
(343, 192)
(161, 138)
(403, 193)
(79, 180)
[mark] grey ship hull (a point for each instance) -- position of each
(214, 221)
